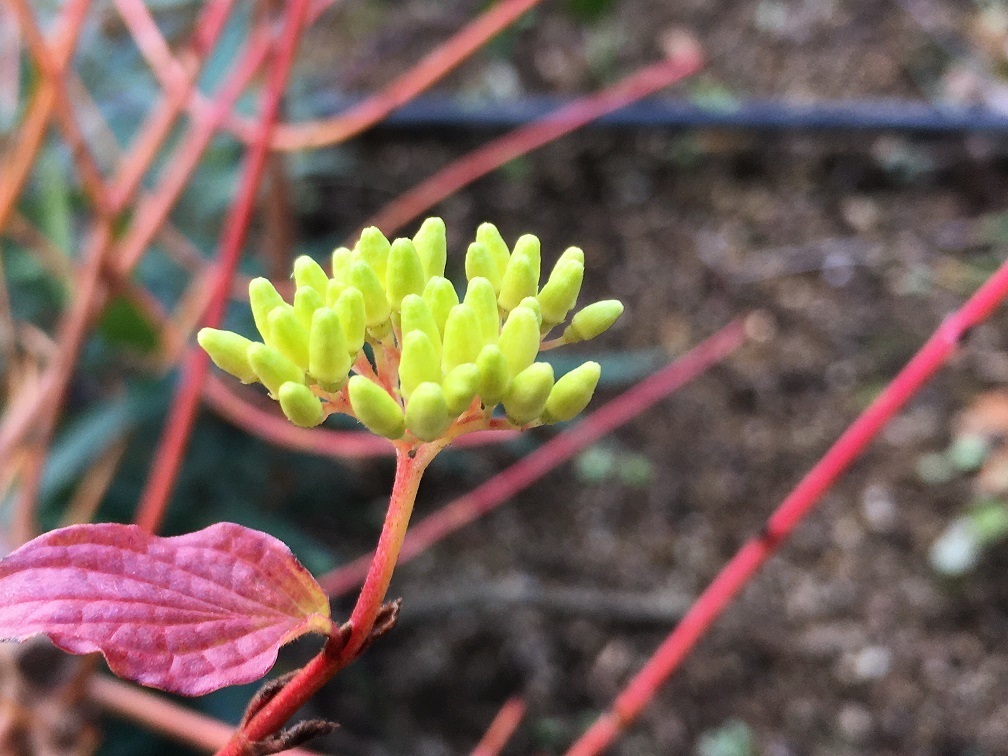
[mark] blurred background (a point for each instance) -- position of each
(836, 173)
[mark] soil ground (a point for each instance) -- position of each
(852, 248)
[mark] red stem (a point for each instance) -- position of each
(521, 141)
(340, 651)
(554, 452)
(175, 438)
(737, 572)
(501, 729)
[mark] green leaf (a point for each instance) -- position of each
(122, 324)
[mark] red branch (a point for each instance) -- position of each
(521, 141)
(737, 572)
(175, 437)
(501, 729)
(554, 452)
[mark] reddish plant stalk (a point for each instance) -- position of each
(340, 650)
(18, 164)
(496, 153)
(178, 87)
(501, 729)
(175, 437)
(161, 715)
(554, 452)
(737, 572)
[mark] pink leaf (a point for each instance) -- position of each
(189, 614)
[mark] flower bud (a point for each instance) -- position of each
(481, 297)
(334, 290)
(527, 247)
(416, 316)
(300, 405)
(462, 338)
(349, 307)
(376, 306)
(419, 363)
(341, 260)
(520, 280)
(228, 351)
(560, 293)
(593, 320)
(519, 340)
(494, 375)
(405, 274)
(263, 297)
(460, 386)
(479, 264)
(533, 304)
(307, 272)
(527, 395)
(306, 301)
(271, 368)
(379, 412)
(432, 246)
(427, 415)
(488, 235)
(288, 336)
(441, 297)
(572, 253)
(328, 357)
(373, 249)
(572, 392)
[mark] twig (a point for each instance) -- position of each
(554, 452)
(175, 437)
(521, 141)
(502, 728)
(737, 572)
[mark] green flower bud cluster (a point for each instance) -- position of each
(444, 358)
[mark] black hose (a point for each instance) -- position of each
(434, 112)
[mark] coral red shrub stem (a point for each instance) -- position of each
(737, 572)
(175, 438)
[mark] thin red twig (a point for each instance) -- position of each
(737, 572)
(175, 438)
(501, 729)
(554, 452)
(496, 153)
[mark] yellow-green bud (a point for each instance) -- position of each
(593, 320)
(427, 415)
(521, 280)
(334, 290)
(480, 264)
(488, 235)
(519, 340)
(432, 246)
(416, 316)
(288, 336)
(373, 249)
(349, 307)
(527, 247)
(341, 259)
(405, 274)
(462, 338)
(460, 386)
(306, 301)
(300, 405)
(572, 253)
(527, 395)
(441, 297)
(228, 351)
(494, 375)
(263, 297)
(307, 272)
(533, 304)
(271, 368)
(419, 363)
(481, 297)
(560, 292)
(328, 357)
(572, 392)
(376, 306)
(379, 412)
